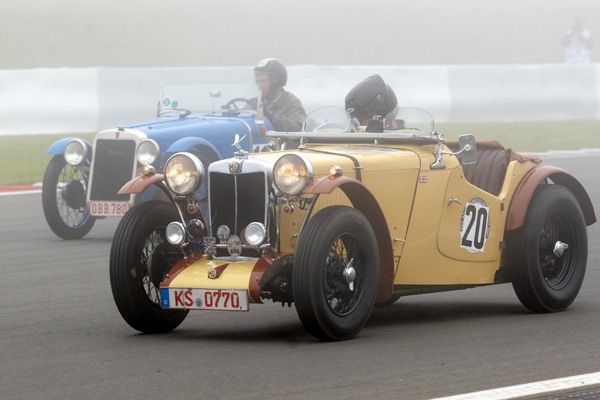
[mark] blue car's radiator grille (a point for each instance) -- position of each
(113, 167)
(237, 200)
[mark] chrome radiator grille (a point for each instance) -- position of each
(237, 200)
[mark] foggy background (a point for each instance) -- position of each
(83, 66)
(198, 33)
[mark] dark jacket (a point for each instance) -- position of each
(286, 113)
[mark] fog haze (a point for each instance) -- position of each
(192, 33)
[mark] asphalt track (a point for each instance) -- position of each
(61, 336)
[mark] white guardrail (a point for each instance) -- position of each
(70, 100)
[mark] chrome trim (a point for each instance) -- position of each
(247, 166)
(119, 133)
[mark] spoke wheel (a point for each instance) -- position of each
(555, 260)
(336, 273)
(140, 259)
(548, 256)
(63, 200)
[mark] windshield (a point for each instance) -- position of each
(402, 120)
(209, 97)
(407, 119)
(327, 119)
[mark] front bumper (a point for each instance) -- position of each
(227, 274)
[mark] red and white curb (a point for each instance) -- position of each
(21, 189)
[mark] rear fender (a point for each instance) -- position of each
(58, 147)
(363, 200)
(520, 202)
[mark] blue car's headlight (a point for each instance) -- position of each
(147, 152)
(75, 152)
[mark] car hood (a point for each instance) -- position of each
(206, 125)
(367, 159)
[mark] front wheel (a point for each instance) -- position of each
(549, 254)
(63, 200)
(140, 258)
(336, 273)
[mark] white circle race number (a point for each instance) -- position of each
(475, 225)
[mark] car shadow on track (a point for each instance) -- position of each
(439, 311)
(283, 325)
(289, 332)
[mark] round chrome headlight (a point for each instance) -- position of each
(292, 173)
(255, 234)
(75, 152)
(175, 233)
(184, 173)
(147, 152)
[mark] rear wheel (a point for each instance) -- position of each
(140, 258)
(549, 254)
(336, 273)
(63, 199)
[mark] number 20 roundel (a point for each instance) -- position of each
(475, 225)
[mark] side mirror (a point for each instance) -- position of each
(468, 149)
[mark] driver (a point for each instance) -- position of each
(371, 99)
(283, 109)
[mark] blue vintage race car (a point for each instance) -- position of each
(82, 180)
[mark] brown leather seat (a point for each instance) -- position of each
(489, 170)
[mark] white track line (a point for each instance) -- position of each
(9, 193)
(529, 389)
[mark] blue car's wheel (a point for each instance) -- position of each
(63, 200)
(140, 258)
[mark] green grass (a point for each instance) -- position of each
(23, 158)
(531, 136)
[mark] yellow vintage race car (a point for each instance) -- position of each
(349, 218)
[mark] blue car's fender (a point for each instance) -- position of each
(190, 144)
(58, 147)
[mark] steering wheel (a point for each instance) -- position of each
(238, 103)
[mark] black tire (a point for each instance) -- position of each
(335, 243)
(63, 200)
(140, 257)
(545, 281)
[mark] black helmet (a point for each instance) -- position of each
(372, 93)
(275, 69)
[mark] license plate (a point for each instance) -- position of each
(108, 208)
(204, 299)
